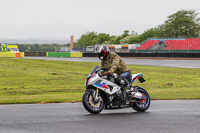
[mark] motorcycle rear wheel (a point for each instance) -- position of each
(144, 104)
(90, 104)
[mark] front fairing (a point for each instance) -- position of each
(93, 71)
(91, 74)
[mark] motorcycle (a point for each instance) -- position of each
(102, 92)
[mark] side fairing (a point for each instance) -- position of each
(103, 84)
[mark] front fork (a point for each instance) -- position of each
(96, 95)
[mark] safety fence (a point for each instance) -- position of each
(80, 54)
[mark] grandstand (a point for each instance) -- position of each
(148, 44)
(172, 44)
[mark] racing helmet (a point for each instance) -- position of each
(104, 53)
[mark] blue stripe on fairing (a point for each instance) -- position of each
(100, 85)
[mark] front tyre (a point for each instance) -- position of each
(90, 104)
(143, 104)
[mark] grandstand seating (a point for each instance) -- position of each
(174, 44)
(194, 43)
(148, 44)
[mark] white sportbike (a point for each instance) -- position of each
(102, 92)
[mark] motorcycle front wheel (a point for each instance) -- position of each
(90, 104)
(144, 103)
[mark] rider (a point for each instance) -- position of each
(114, 64)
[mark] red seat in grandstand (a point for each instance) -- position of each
(193, 44)
(148, 44)
(175, 44)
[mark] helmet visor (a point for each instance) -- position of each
(101, 55)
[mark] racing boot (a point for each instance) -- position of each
(123, 92)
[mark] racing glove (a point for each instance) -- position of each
(106, 73)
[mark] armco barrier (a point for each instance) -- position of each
(17, 55)
(21, 54)
(53, 54)
(34, 54)
(64, 54)
(9, 54)
(3, 54)
(58, 54)
(76, 54)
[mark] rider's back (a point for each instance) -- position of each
(114, 64)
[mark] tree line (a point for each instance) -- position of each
(183, 23)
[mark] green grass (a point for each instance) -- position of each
(45, 81)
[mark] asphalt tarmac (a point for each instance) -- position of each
(148, 62)
(163, 116)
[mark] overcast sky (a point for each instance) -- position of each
(59, 19)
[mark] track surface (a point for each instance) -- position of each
(167, 116)
(149, 62)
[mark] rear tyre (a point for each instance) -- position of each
(90, 104)
(143, 104)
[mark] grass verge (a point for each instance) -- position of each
(45, 81)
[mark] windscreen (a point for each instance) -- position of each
(93, 70)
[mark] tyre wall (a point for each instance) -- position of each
(179, 55)
(35, 54)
